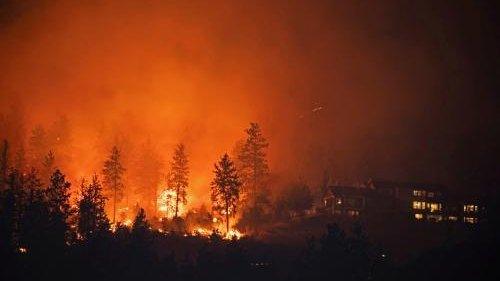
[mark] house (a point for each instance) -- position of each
(417, 201)
(421, 201)
(346, 200)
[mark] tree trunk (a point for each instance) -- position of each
(227, 216)
(176, 201)
(114, 207)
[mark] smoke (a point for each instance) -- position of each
(350, 89)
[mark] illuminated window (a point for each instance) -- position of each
(435, 218)
(430, 194)
(470, 220)
(470, 208)
(418, 192)
(353, 213)
(419, 216)
(418, 205)
(434, 207)
(452, 218)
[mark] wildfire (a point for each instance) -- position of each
(166, 204)
(233, 233)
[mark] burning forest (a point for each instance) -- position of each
(253, 140)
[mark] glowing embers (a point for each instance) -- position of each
(233, 234)
(166, 204)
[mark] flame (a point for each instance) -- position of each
(166, 204)
(233, 233)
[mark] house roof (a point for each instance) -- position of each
(349, 190)
(409, 185)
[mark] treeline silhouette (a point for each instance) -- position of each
(45, 237)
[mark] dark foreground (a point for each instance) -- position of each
(144, 254)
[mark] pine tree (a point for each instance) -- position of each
(58, 194)
(11, 209)
(147, 176)
(20, 159)
(48, 165)
(252, 161)
(92, 218)
(4, 164)
(38, 146)
(225, 188)
(34, 232)
(178, 176)
(113, 173)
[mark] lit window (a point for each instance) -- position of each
(470, 220)
(435, 218)
(353, 213)
(470, 208)
(419, 216)
(430, 194)
(418, 192)
(452, 218)
(418, 205)
(434, 207)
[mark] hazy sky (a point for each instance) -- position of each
(403, 90)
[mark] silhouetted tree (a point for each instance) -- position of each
(20, 159)
(147, 176)
(48, 165)
(225, 188)
(140, 224)
(113, 173)
(297, 198)
(252, 161)
(11, 209)
(178, 176)
(38, 146)
(92, 218)
(34, 226)
(60, 211)
(4, 163)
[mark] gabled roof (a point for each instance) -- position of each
(349, 190)
(408, 185)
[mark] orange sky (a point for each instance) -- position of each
(199, 72)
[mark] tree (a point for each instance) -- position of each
(147, 176)
(178, 176)
(92, 218)
(4, 163)
(48, 165)
(225, 188)
(20, 159)
(11, 209)
(298, 198)
(38, 145)
(58, 194)
(34, 232)
(113, 173)
(140, 225)
(252, 161)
